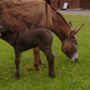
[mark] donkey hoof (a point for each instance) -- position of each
(51, 75)
(17, 76)
(36, 67)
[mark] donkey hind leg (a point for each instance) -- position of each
(17, 62)
(37, 60)
(50, 59)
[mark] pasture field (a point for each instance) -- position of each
(69, 76)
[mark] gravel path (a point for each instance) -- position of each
(75, 12)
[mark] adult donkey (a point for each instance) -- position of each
(38, 13)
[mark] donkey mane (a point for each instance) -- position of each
(60, 16)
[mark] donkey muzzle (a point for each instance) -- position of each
(75, 57)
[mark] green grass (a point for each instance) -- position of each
(69, 76)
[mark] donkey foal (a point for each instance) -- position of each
(28, 39)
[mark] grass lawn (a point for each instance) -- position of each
(69, 76)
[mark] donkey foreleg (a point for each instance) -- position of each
(17, 62)
(50, 59)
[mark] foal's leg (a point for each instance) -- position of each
(50, 59)
(37, 60)
(17, 62)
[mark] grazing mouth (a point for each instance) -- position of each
(75, 57)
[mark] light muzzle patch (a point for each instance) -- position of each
(75, 56)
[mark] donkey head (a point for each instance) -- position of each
(69, 45)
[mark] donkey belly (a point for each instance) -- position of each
(27, 44)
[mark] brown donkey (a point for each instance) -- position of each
(28, 39)
(40, 14)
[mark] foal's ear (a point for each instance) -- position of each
(74, 32)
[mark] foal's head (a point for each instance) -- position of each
(69, 45)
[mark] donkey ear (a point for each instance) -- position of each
(74, 32)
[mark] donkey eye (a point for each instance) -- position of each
(75, 42)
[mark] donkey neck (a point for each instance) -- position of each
(60, 26)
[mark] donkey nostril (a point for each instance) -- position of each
(76, 59)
